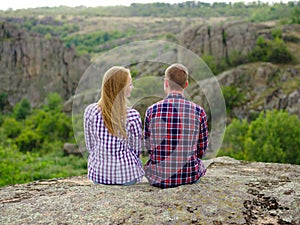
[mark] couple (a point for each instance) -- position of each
(175, 134)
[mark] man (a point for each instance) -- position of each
(176, 134)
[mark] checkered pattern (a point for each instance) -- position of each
(113, 160)
(176, 137)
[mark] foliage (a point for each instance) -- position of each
(273, 137)
(88, 43)
(211, 63)
(233, 97)
(3, 100)
(274, 50)
(49, 26)
(12, 127)
(295, 15)
(31, 148)
(54, 102)
(22, 109)
(279, 52)
(277, 33)
(18, 167)
(256, 11)
(28, 140)
(271, 50)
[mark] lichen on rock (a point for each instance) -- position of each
(232, 192)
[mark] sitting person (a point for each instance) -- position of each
(176, 135)
(113, 133)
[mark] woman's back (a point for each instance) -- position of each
(112, 159)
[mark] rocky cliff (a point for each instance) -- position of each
(224, 39)
(265, 86)
(32, 66)
(232, 192)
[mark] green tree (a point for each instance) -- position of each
(22, 109)
(273, 137)
(279, 52)
(259, 52)
(54, 102)
(233, 97)
(28, 141)
(271, 50)
(295, 15)
(234, 139)
(12, 127)
(3, 100)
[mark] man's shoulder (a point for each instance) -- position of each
(194, 105)
(156, 104)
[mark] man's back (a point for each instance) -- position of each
(176, 137)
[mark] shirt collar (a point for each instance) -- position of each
(175, 95)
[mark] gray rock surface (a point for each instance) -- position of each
(232, 192)
(266, 87)
(228, 38)
(32, 66)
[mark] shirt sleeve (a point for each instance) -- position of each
(87, 130)
(147, 132)
(203, 135)
(136, 135)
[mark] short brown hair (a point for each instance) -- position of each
(178, 75)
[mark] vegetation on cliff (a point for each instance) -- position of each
(274, 136)
(31, 142)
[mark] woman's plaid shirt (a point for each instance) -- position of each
(176, 137)
(113, 160)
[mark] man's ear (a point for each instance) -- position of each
(186, 84)
(166, 83)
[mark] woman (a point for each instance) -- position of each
(113, 133)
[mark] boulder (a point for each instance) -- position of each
(231, 192)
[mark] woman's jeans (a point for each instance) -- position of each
(125, 184)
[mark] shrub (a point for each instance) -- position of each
(54, 102)
(211, 63)
(17, 167)
(273, 137)
(28, 140)
(271, 50)
(277, 33)
(22, 109)
(3, 100)
(279, 52)
(11, 127)
(233, 97)
(259, 52)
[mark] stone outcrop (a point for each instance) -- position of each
(231, 192)
(32, 66)
(228, 38)
(221, 40)
(265, 86)
(72, 149)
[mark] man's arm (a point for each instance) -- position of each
(203, 135)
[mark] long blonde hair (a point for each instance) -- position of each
(113, 100)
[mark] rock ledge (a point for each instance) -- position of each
(232, 192)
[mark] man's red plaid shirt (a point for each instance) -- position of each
(176, 137)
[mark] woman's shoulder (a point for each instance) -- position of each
(132, 113)
(91, 109)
